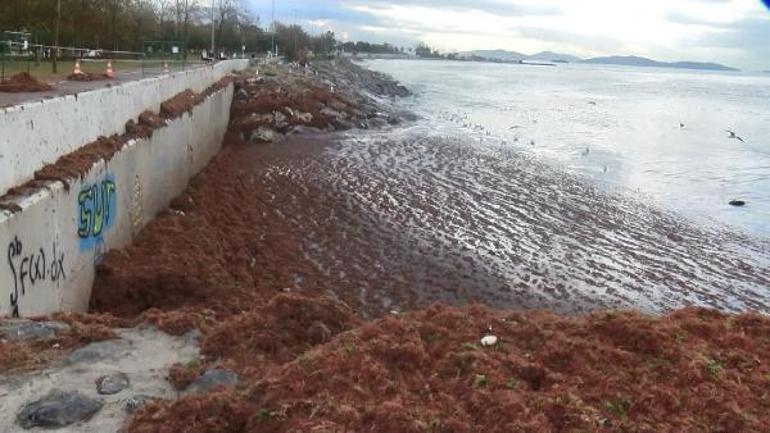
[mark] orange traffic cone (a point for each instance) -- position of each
(165, 67)
(109, 72)
(77, 70)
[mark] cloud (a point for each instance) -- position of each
(727, 31)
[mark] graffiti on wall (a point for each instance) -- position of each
(31, 267)
(97, 205)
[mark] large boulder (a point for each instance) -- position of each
(211, 379)
(29, 330)
(57, 409)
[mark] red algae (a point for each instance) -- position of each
(23, 82)
(426, 371)
(82, 330)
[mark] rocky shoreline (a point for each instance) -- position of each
(219, 317)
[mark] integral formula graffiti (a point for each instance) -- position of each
(32, 267)
(97, 205)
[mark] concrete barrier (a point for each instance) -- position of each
(51, 247)
(38, 133)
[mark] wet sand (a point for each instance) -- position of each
(398, 219)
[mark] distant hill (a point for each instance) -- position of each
(550, 56)
(513, 56)
(496, 55)
(645, 62)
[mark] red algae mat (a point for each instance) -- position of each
(691, 371)
(23, 82)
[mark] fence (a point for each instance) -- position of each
(34, 59)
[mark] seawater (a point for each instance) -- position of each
(658, 133)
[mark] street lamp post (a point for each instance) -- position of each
(212, 29)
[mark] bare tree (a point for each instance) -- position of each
(164, 7)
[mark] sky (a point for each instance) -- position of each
(732, 32)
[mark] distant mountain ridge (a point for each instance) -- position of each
(645, 62)
(496, 54)
(504, 55)
(549, 56)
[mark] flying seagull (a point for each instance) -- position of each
(734, 136)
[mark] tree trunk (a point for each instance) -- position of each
(114, 26)
(55, 51)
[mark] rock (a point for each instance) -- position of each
(210, 379)
(110, 349)
(280, 119)
(29, 330)
(300, 129)
(135, 402)
(303, 117)
(330, 112)
(263, 135)
(341, 124)
(112, 384)
(242, 95)
(377, 122)
(57, 409)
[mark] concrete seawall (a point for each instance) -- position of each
(38, 133)
(50, 247)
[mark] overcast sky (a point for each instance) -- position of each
(733, 32)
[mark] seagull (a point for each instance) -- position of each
(591, 102)
(532, 142)
(681, 125)
(514, 127)
(733, 136)
(586, 152)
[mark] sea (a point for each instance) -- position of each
(659, 134)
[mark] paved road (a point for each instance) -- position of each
(65, 87)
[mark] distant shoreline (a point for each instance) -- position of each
(553, 59)
(688, 66)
